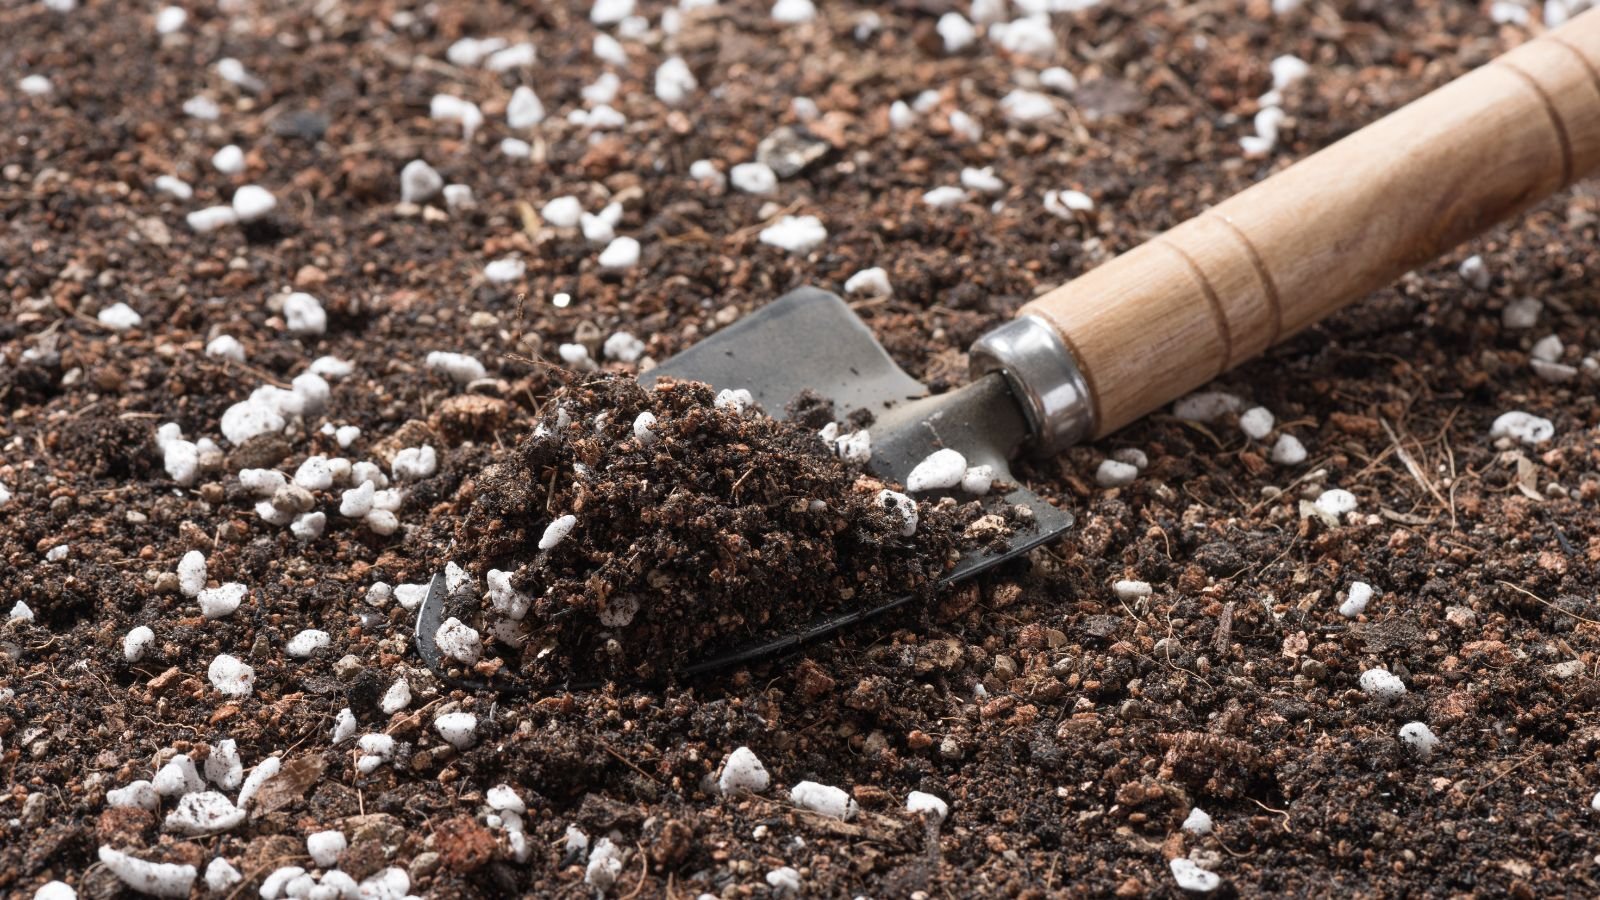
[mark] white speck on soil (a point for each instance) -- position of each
(1113, 473)
(920, 802)
(231, 676)
(1129, 591)
(155, 879)
(1419, 738)
(221, 601)
(1525, 427)
(1335, 502)
(902, 507)
(824, 799)
(743, 771)
(941, 469)
(1288, 451)
(1381, 684)
(458, 729)
(1197, 822)
(1356, 601)
(796, 234)
(138, 641)
(1256, 422)
(1190, 877)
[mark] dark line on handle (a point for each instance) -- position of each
(1212, 300)
(1555, 119)
(1591, 67)
(1260, 265)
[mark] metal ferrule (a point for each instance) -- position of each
(1044, 379)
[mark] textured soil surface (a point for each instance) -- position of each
(718, 529)
(1070, 727)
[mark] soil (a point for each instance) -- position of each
(727, 529)
(1069, 730)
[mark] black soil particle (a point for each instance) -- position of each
(720, 529)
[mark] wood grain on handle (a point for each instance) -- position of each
(1172, 314)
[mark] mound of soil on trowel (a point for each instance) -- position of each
(718, 527)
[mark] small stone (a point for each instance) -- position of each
(1525, 427)
(1112, 474)
(1380, 684)
(1419, 738)
(743, 771)
(1190, 877)
(1256, 423)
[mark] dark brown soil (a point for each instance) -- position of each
(725, 530)
(1100, 721)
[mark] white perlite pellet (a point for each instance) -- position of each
(623, 347)
(1256, 423)
(1190, 877)
(178, 777)
(982, 180)
(1288, 451)
(55, 890)
(211, 218)
(1520, 315)
(419, 182)
(919, 802)
(314, 474)
(36, 86)
(192, 573)
(941, 469)
(793, 12)
(1113, 473)
(202, 813)
(706, 171)
(873, 282)
(504, 270)
(252, 202)
(202, 107)
(562, 212)
(901, 507)
(796, 234)
(396, 698)
(229, 160)
(140, 794)
(901, 116)
(1356, 601)
(1128, 591)
(824, 799)
(944, 196)
(1335, 502)
(1197, 822)
(743, 771)
(956, 32)
(155, 879)
(977, 480)
(1525, 427)
(173, 187)
(784, 881)
(221, 875)
(231, 676)
(221, 601)
(1206, 406)
(450, 108)
(621, 253)
(1474, 272)
(325, 847)
(460, 367)
(1059, 80)
(605, 864)
(1024, 106)
(1548, 348)
(674, 81)
(307, 643)
(459, 641)
(557, 531)
(1419, 738)
(20, 612)
(226, 346)
(119, 317)
(413, 464)
(303, 314)
(457, 728)
(264, 771)
(753, 178)
(137, 642)
(223, 767)
(1381, 684)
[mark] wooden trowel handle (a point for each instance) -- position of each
(1172, 314)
